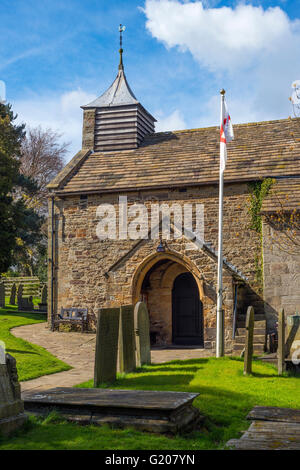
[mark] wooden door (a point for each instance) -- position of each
(187, 313)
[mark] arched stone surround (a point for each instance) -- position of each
(153, 282)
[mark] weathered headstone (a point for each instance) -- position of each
(12, 299)
(281, 342)
(20, 296)
(126, 340)
(142, 334)
(11, 406)
(44, 295)
(30, 303)
(24, 303)
(2, 295)
(106, 354)
(249, 341)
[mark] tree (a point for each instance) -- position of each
(19, 224)
(42, 157)
(10, 143)
(285, 224)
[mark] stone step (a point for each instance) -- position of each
(257, 339)
(257, 348)
(256, 317)
(258, 324)
(257, 331)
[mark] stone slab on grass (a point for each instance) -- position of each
(152, 411)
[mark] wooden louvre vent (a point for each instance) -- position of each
(121, 122)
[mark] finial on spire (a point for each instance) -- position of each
(121, 30)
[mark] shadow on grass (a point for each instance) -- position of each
(264, 376)
(28, 315)
(8, 307)
(19, 351)
(153, 381)
(170, 368)
(236, 358)
(182, 363)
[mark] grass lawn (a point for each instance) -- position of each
(226, 396)
(32, 360)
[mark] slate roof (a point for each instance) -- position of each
(284, 195)
(185, 158)
(118, 94)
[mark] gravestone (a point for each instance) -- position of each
(126, 340)
(19, 295)
(44, 294)
(106, 354)
(12, 299)
(2, 295)
(293, 339)
(24, 303)
(249, 341)
(281, 342)
(11, 406)
(142, 334)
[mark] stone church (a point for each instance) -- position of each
(122, 155)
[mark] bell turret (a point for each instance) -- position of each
(116, 120)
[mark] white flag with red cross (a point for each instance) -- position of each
(226, 134)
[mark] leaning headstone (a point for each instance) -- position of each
(106, 354)
(2, 295)
(281, 342)
(11, 406)
(142, 334)
(249, 341)
(12, 299)
(126, 340)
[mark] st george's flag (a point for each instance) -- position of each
(226, 134)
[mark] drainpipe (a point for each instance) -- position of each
(52, 262)
(234, 311)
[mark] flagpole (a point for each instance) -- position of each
(220, 319)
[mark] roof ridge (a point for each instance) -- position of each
(248, 124)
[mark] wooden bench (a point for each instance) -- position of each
(73, 315)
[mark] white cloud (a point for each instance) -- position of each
(220, 37)
(254, 52)
(172, 122)
(61, 113)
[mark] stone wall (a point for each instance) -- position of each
(88, 129)
(97, 274)
(281, 274)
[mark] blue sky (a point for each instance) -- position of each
(58, 55)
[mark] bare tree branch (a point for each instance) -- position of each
(42, 157)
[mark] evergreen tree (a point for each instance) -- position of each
(19, 226)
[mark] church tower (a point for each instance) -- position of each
(116, 120)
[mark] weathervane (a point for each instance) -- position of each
(121, 30)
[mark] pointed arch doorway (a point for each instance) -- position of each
(153, 283)
(187, 311)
